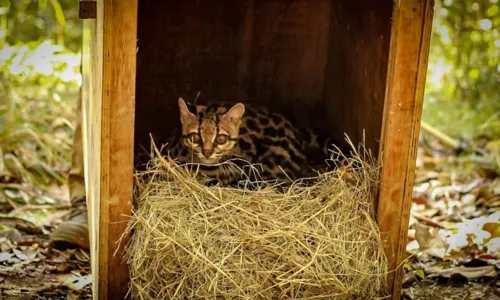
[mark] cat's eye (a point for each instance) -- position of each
(221, 139)
(195, 137)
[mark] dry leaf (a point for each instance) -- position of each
(495, 188)
(493, 246)
(493, 229)
(4, 256)
(419, 200)
(63, 268)
(412, 246)
(468, 187)
(30, 253)
(411, 234)
(14, 260)
(20, 254)
(72, 296)
(493, 202)
(78, 282)
(12, 235)
(431, 212)
(82, 256)
(54, 218)
(57, 259)
(477, 231)
(469, 273)
(59, 192)
(469, 200)
(430, 243)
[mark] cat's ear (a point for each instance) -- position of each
(235, 112)
(186, 115)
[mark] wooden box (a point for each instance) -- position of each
(341, 65)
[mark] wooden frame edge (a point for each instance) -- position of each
(117, 144)
(92, 49)
(117, 20)
(109, 69)
(409, 50)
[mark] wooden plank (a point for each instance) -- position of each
(117, 143)
(287, 55)
(87, 9)
(408, 58)
(109, 99)
(270, 53)
(91, 101)
(357, 69)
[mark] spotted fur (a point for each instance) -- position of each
(213, 134)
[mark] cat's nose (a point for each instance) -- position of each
(207, 152)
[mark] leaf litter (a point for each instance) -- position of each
(29, 268)
(454, 230)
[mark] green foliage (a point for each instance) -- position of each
(462, 93)
(39, 82)
(420, 273)
(23, 21)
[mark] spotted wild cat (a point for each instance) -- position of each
(213, 134)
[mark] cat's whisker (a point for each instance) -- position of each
(257, 148)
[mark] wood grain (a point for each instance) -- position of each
(92, 60)
(109, 84)
(410, 41)
(117, 140)
(339, 65)
(87, 9)
(357, 69)
(269, 53)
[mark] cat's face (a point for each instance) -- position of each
(210, 134)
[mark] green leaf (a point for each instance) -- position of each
(42, 4)
(474, 73)
(420, 273)
(61, 20)
(475, 36)
(18, 196)
(493, 10)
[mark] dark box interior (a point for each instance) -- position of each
(322, 63)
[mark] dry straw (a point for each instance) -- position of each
(320, 241)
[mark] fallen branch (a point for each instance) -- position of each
(427, 220)
(445, 139)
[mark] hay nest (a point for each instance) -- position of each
(198, 242)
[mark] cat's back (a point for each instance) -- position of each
(271, 138)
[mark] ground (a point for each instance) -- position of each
(453, 248)
(29, 268)
(454, 237)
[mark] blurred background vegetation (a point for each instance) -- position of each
(40, 48)
(462, 92)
